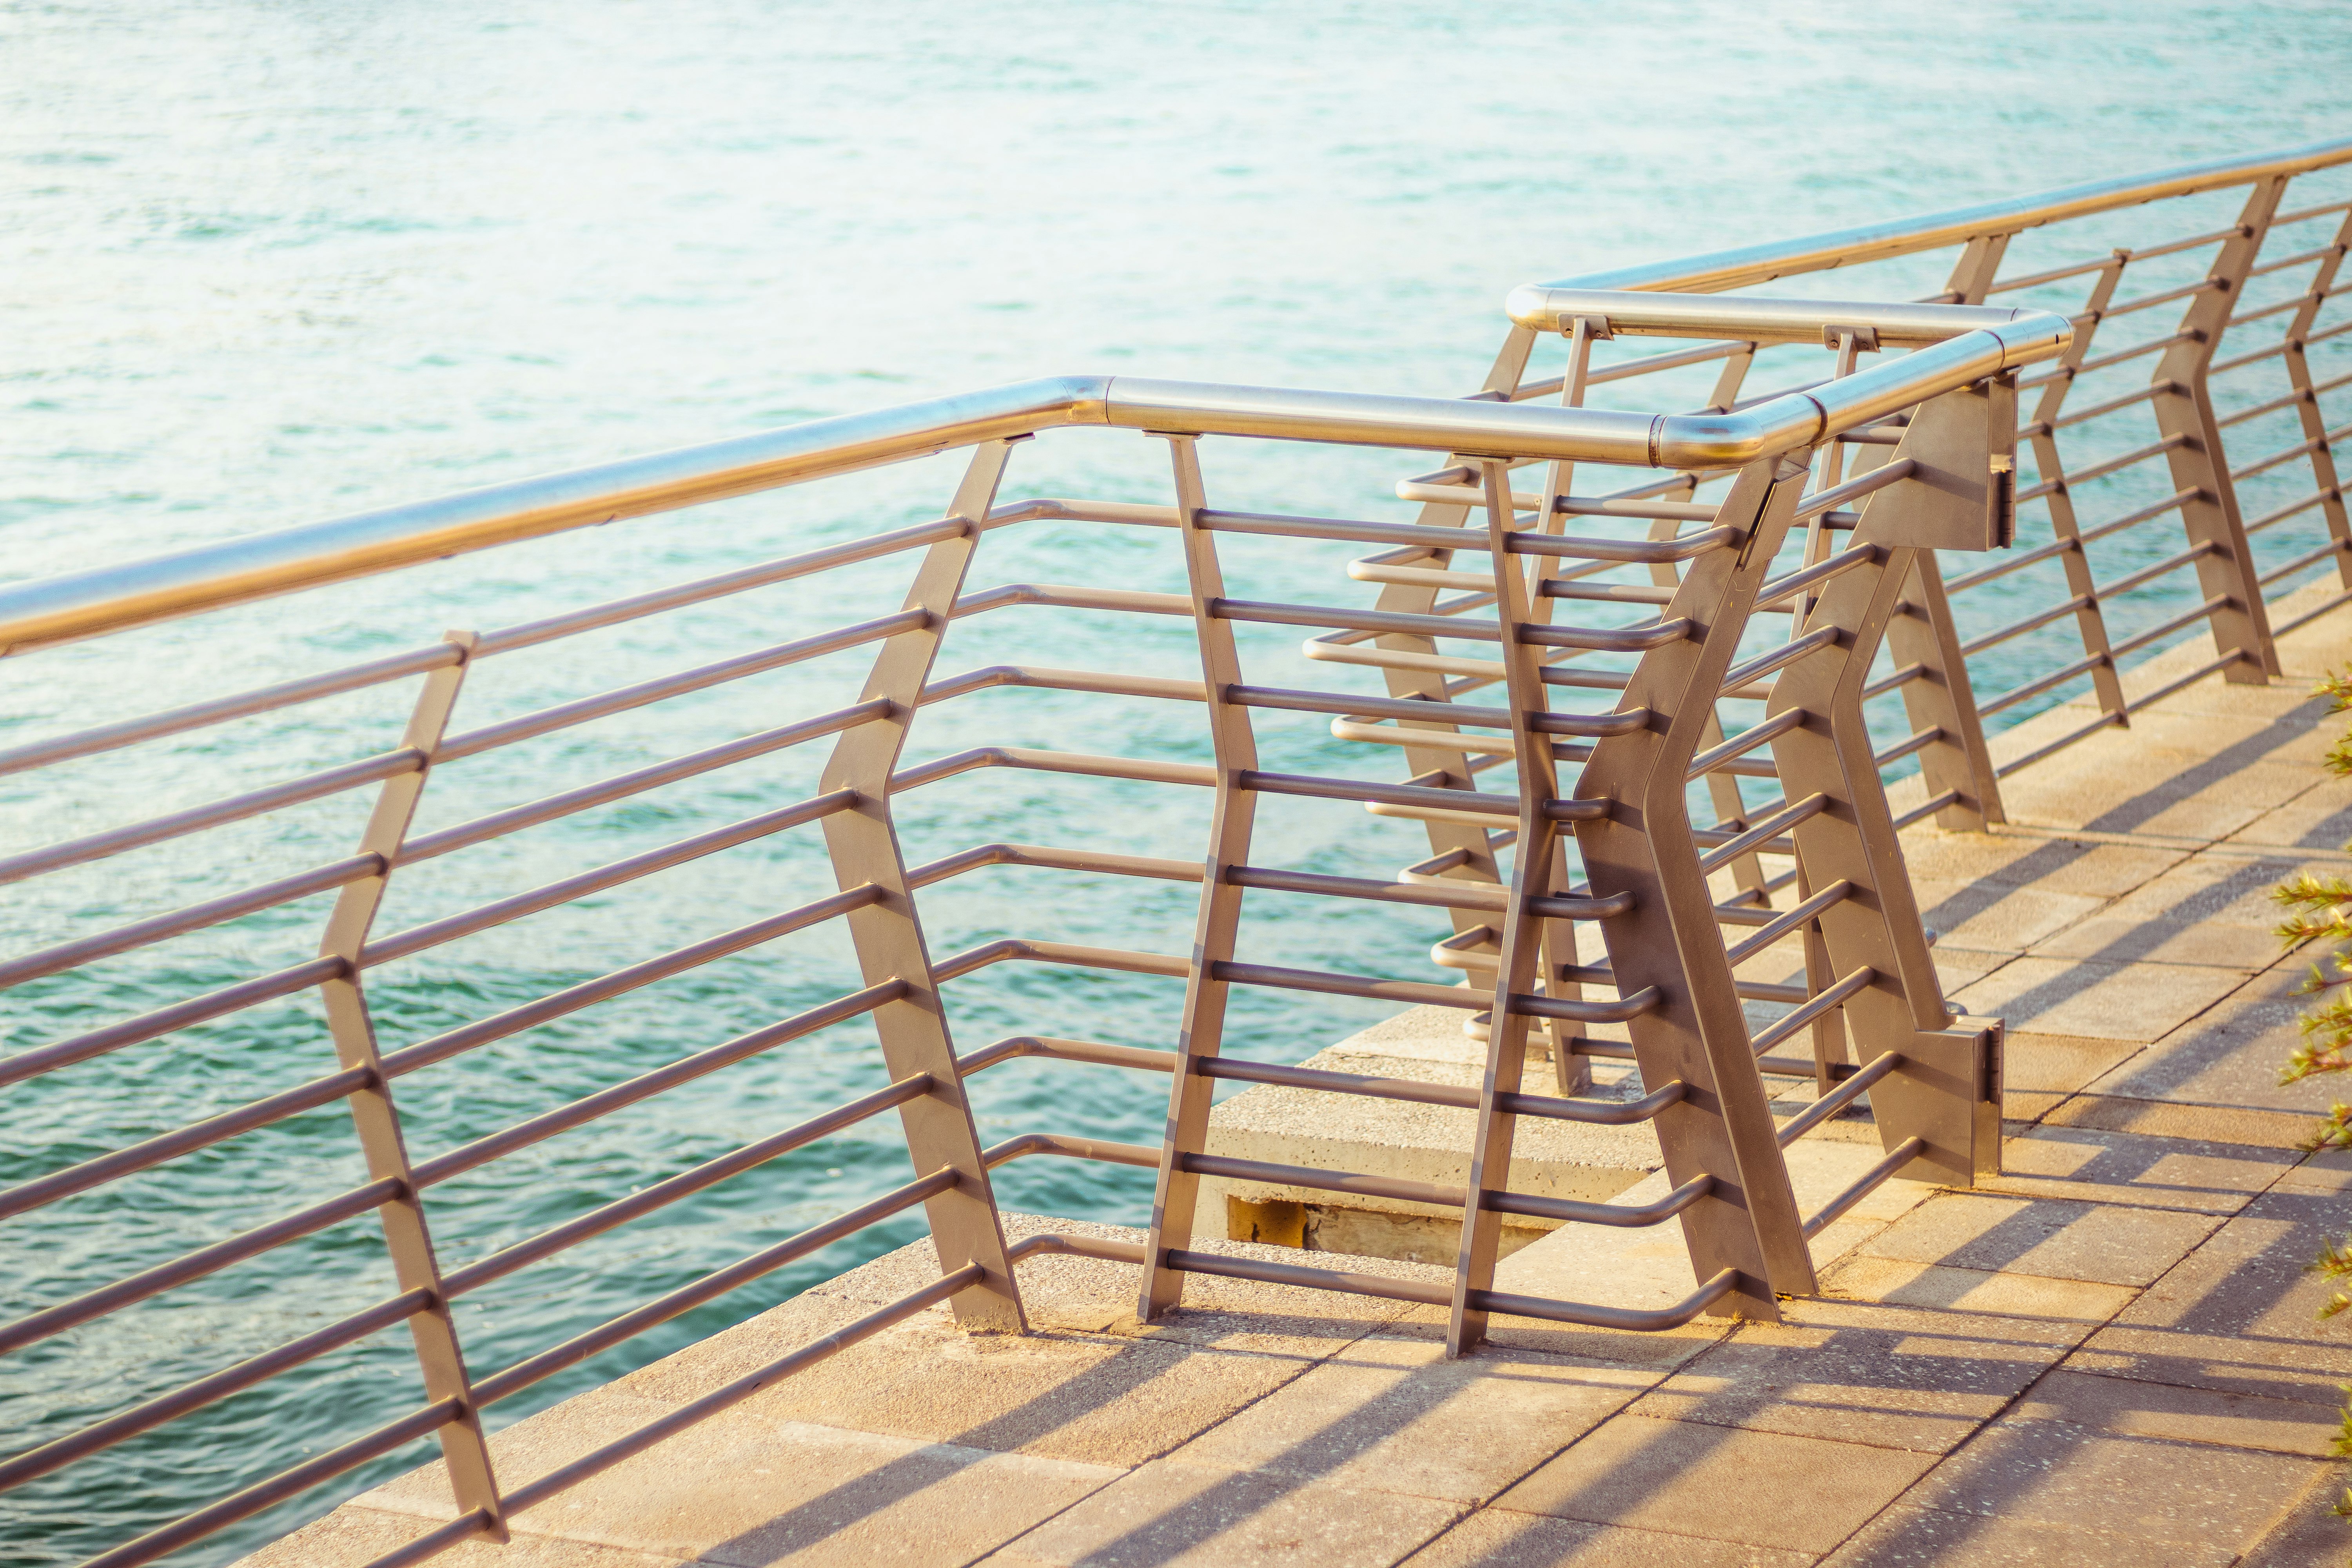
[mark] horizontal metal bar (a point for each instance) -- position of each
(1440, 895)
(2153, 390)
(1022, 675)
(1803, 914)
(1385, 1287)
(1573, 1211)
(2306, 214)
(2130, 580)
(1146, 1154)
(1831, 997)
(507, 639)
(164, 1020)
(1900, 678)
(2150, 301)
(564, 715)
(1838, 1098)
(1351, 705)
(1630, 1319)
(2300, 395)
(2104, 362)
(1462, 1096)
(195, 716)
(1773, 660)
(499, 824)
(416, 939)
(34, 1327)
(1580, 908)
(662, 1194)
(25, 1196)
(2316, 498)
(2162, 629)
(21, 1468)
(1135, 768)
(1050, 1244)
(2308, 559)
(1456, 996)
(1918, 740)
(686, 1298)
(2294, 302)
(1613, 639)
(1928, 807)
(1394, 1188)
(2306, 617)
(2209, 667)
(2264, 465)
(1763, 832)
(287, 1483)
(1872, 1180)
(2034, 621)
(1391, 795)
(2279, 347)
(2115, 465)
(1876, 479)
(1632, 552)
(1089, 1051)
(573, 998)
(1053, 859)
(547, 1124)
(695, 1411)
(1022, 949)
(214, 814)
(195, 917)
(1748, 739)
(1813, 576)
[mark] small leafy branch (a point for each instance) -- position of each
(2320, 911)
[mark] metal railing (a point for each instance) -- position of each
(1605, 785)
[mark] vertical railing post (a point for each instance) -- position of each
(1201, 1031)
(377, 1119)
(2297, 361)
(2226, 569)
(863, 842)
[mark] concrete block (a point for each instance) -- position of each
(2094, 1166)
(1908, 1537)
(1996, 917)
(2098, 1243)
(1392, 1413)
(2134, 1408)
(2163, 1118)
(2212, 908)
(2327, 1171)
(1901, 1283)
(1168, 1515)
(2318, 818)
(2139, 1001)
(1892, 1377)
(2310, 1533)
(1503, 1538)
(2229, 1056)
(1687, 1478)
(2034, 1062)
(2241, 1314)
(2074, 867)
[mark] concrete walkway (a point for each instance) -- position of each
(2109, 1355)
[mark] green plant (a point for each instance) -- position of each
(2321, 911)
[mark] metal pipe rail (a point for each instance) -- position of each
(1642, 884)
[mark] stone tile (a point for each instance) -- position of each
(2021, 1108)
(1059, 1396)
(1996, 917)
(2213, 909)
(738, 1491)
(2099, 1001)
(1393, 1415)
(1908, 1537)
(2034, 1062)
(1906, 1284)
(2311, 1533)
(1685, 1478)
(351, 1537)
(1168, 1515)
(2077, 867)
(2100, 1166)
(2130, 1407)
(2318, 818)
(2164, 1496)
(2162, 1119)
(1501, 1538)
(2229, 1056)
(2098, 1243)
(1894, 1378)
(1657, 1352)
(2204, 794)
(2328, 1171)
(2241, 1314)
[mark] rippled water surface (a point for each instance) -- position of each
(269, 263)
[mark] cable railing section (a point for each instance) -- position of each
(1599, 761)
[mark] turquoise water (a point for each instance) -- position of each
(270, 263)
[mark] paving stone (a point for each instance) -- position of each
(2164, 1496)
(1393, 1415)
(2211, 908)
(2022, 1108)
(738, 1491)
(2070, 865)
(2318, 818)
(2099, 1001)
(2094, 1165)
(2231, 1056)
(1997, 917)
(2131, 1408)
(1909, 1537)
(1683, 1478)
(2240, 1313)
(2102, 1244)
(1502, 1538)
(1655, 1353)
(2033, 1061)
(2202, 794)
(2328, 1171)
(1066, 1396)
(1168, 1515)
(1894, 1378)
(2311, 1533)
(2163, 1118)
(351, 1536)
(1902, 1283)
